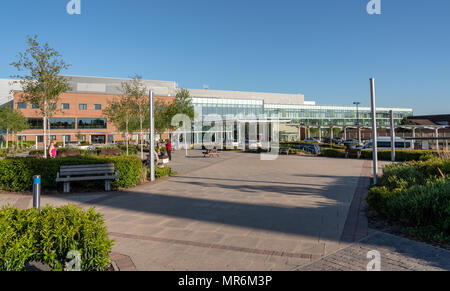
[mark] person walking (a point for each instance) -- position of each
(169, 149)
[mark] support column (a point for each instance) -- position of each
(320, 134)
(437, 140)
(299, 133)
(309, 132)
(413, 142)
(331, 134)
(345, 133)
(36, 145)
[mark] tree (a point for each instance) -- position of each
(165, 112)
(120, 113)
(12, 121)
(137, 93)
(42, 85)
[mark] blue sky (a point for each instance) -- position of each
(325, 49)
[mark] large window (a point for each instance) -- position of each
(82, 106)
(62, 123)
(35, 123)
(22, 105)
(90, 123)
(97, 106)
(65, 106)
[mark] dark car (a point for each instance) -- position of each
(312, 148)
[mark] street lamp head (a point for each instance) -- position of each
(356, 103)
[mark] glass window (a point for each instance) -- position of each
(82, 106)
(97, 106)
(62, 123)
(22, 105)
(90, 123)
(65, 106)
(40, 138)
(34, 106)
(35, 123)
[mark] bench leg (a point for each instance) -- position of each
(66, 187)
(107, 185)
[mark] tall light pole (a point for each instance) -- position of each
(374, 131)
(357, 120)
(152, 138)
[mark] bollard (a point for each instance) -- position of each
(37, 192)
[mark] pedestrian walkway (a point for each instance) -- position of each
(397, 254)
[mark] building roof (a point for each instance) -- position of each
(102, 85)
(272, 98)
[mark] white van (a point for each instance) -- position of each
(384, 143)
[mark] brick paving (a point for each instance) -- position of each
(397, 254)
(235, 212)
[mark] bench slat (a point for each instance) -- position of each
(79, 173)
(87, 166)
(93, 178)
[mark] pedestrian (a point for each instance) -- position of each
(169, 149)
(52, 149)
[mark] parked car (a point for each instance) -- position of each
(311, 140)
(384, 143)
(351, 143)
(312, 148)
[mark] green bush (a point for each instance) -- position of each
(47, 236)
(332, 153)
(3, 153)
(161, 172)
(424, 209)
(16, 174)
(400, 155)
(407, 174)
(415, 194)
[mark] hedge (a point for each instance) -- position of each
(47, 236)
(423, 209)
(16, 174)
(3, 153)
(384, 155)
(332, 153)
(416, 194)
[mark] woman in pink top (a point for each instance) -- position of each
(52, 150)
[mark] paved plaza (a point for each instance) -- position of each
(235, 212)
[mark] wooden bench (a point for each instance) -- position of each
(284, 151)
(69, 174)
(211, 153)
(352, 153)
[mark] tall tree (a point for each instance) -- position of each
(12, 121)
(41, 81)
(138, 95)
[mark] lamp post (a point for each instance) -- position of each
(357, 119)
(152, 138)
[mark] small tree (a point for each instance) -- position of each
(12, 121)
(42, 85)
(139, 99)
(165, 112)
(120, 113)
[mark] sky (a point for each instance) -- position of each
(324, 49)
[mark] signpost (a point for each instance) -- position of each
(374, 132)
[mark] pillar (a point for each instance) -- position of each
(413, 142)
(320, 134)
(437, 140)
(345, 133)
